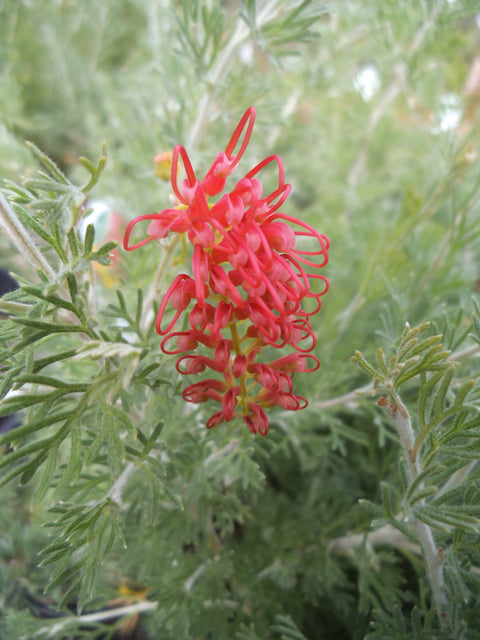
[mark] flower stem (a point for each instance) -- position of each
(156, 283)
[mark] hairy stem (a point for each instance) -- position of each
(20, 237)
(400, 416)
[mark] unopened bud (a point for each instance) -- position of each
(163, 165)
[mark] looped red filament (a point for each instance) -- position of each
(251, 288)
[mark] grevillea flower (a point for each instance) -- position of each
(252, 285)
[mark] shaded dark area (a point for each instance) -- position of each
(7, 423)
(7, 283)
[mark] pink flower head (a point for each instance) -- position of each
(254, 284)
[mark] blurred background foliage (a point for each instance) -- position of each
(374, 108)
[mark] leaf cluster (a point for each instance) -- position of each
(413, 357)
(76, 383)
(295, 24)
(84, 536)
(200, 29)
(442, 487)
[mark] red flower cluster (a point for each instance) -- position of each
(248, 292)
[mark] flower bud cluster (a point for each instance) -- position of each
(248, 291)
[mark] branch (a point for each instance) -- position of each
(465, 354)
(346, 398)
(121, 482)
(100, 616)
(386, 535)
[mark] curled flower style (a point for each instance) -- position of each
(252, 285)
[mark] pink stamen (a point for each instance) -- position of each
(181, 303)
(248, 119)
(191, 178)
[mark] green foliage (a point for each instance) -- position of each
(200, 44)
(293, 27)
(68, 396)
(286, 629)
(395, 626)
(441, 449)
(350, 520)
(84, 535)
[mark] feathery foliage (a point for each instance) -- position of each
(122, 515)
